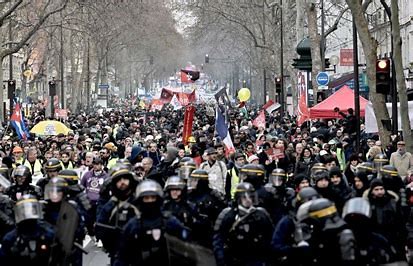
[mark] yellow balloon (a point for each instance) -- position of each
(244, 94)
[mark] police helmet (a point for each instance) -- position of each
(174, 182)
(148, 188)
(321, 175)
(389, 171)
(306, 194)
(27, 208)
(251, 172)
(5, 171)
(186, 166)
(196, 176)
(124, 162)
(55, 189)
(358, 207)
(380, 160)
(70, 176)
(4, 183)
(23, 171)
(53, 165)
(316, 209)
(318, 167)
(365, 167)
(245, 190)
(278, 177)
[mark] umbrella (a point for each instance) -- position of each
(50, 128)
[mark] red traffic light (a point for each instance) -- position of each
(383, 65)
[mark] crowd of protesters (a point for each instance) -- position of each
(287, 195)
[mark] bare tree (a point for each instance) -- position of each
(369, 44)
(33, 24)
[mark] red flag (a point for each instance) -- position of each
(188, 121)
(156, 105)
(302, 110)
(186, 98)
(189, 76)
(259, 121)
(166, 95)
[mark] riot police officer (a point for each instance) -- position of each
(176, 201)
(75, 191)
(143, 239)
(275, 197)
(6, 209)
(372, 248)
(288, 232)
(242, 233)
(22, 178)
(328, 240)
(186, 166)
(30, 242)
(52, 168)
(208, 204)
(116, 212)
(253, 174)
(55, 209)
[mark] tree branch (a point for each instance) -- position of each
(386, 8)
(35, 28)
(335, 24)
(8, 12)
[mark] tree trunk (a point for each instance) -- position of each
(2, 111)
(299, 22)
(401, 84)
(370, 50)
(315, 39)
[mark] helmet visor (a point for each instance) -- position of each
(185, 171)
(27, 209)
(53, 193)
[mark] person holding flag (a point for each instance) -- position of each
(17, 121)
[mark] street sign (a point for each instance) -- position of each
(322, 88)
(103, 86)
(322, 79)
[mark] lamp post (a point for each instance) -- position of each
(356, 86)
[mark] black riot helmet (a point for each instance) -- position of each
(389, 171)
(357, 206)
(174, 182)
(27, 208)
(148, 188)
(317, 167)
(121, 189)
(357, 213)
(317, 211)
(5, 171)
(252, 173)
(53, 165)
(245, 195)
(70, 176)
(306, 194)
(56, 189)
(186, 166)
(198, 179)
(278, 177)
(22, 175)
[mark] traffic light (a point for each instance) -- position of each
(52, 88)
(11, 88)
(383, 79)
(206, 59)
(278, 85)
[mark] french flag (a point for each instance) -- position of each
(17, 122)
(222, 129)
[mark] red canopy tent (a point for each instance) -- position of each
(343, 99)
